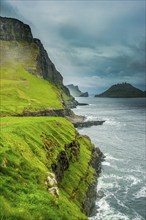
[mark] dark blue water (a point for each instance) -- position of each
(122, 139)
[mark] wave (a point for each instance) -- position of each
(110, 157)
(134, 180)
(107, 212)
(105, 163)
(91, 118)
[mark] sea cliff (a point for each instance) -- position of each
(48, 170)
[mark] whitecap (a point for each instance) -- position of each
(106, 212)
(91, 118)
(141, 193)
(110, 157)
(134, 180)
(105, 163)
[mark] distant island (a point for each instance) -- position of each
(75, 91)
(122, 90)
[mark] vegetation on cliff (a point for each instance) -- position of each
(30, 148)
(46, 166)
(122, 90)
(23, 54)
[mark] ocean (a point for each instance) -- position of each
(122, 139)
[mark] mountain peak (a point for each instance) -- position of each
(13, 29)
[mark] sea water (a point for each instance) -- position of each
(122, 139)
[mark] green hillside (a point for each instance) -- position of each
(47, 168)
(29, 147)
(21, 90)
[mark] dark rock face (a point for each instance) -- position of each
(45, 66)
(89, 206)
(61, 165)
(13, 29)
(73, 150)
(70, 154)
(56, 112)
(87, 124)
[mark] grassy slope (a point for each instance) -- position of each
(24, 160)
(24, 167)
(18, 88)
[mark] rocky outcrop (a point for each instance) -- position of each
(77, 120)
(70, 154)
(87, 124)
(13, 29)
(89, 206)
(51, 184)
(60, 166)
(54, 112)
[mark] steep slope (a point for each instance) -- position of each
(32, 151)
(21, 91)
(75, 91)
(123, 90)
(47, 169)
(13, 32)
(23, 56)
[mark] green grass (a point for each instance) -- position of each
(21, 90)
(30, 145)
(24, 165)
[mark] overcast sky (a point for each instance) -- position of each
(94, 44)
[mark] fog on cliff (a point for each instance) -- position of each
(94, 44)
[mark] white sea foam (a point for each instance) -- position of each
(123, 170)
(112, 122)
(106, 212)
(141, 193)
(105, 163)
(134, 180)
(109, 157)
(91, 118)
(92, 104)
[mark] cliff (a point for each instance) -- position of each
(75, 91)
(15, 30)
(123, 90)
(47, 169)
(19, 47)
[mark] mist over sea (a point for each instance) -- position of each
(122, 185)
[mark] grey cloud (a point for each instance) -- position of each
(101, 41)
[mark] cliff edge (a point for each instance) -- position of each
(19, 50)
